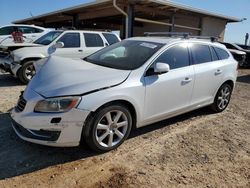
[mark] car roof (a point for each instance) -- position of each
(87, 31)
(170, 40)
(26, 25)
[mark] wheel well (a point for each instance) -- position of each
(229, 82)
(127, 104)
(29, 59)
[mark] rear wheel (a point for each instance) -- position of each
(26, 72)
(222, 98)
(107, 128)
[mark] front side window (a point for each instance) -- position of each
(48, 38)
(7, 30)
(70, 40)
(221, 53)
(111, 38)
(125, 55)
(201, 53)
(93, 40)
(176, 56)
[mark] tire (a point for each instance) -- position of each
(222, 98)
(103, 132)
(26, 72)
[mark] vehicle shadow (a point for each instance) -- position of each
(6, 80)
(19, 157)
(244, 79)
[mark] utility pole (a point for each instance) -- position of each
(246, 38)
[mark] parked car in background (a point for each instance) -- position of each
(245, 47)
(132, 83)
(238, 54)
(29, 32)
(75, 44)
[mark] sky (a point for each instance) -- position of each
(11, 10)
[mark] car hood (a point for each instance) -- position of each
(14, 46)
(67, 77)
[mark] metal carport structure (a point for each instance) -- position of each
(132, 18)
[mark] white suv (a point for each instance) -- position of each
(133, 83)
(30, 32)
(75, 44)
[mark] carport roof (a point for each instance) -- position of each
(162, 4)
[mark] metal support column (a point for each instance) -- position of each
(130, 21)
(173, 23)
(75, 21)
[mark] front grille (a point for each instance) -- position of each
(20, 104)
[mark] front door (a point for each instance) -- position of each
(171, 92)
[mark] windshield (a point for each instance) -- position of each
(48, 38)
(125, 55)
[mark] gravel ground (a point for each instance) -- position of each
(197, 149)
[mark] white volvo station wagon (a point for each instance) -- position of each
(133, 83)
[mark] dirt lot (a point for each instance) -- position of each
(198, 149)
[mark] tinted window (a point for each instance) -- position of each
(93, 40)
(214, 55)
(70, 40)
(111, 38)
(26, 30)
(6, 30)
(201, 53)
(221, 53)
(176, 56)
(229, 46)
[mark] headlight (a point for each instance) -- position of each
(62, 104)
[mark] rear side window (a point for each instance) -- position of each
(111, 38)
(201, 53)
(221, 53)
(93, 40)
(214, 55)
(176, 56)
(70, 40)
(27, 30)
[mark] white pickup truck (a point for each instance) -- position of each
(75, 44)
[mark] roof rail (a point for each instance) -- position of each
(168, 34)
(184, 35)
(212, 38)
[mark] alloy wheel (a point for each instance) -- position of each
(223, 98)
(111, 128)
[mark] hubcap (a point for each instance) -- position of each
(30, 71)
(111, 128)
(223, 98)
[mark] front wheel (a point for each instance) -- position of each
(26, 72)
(222, 98)
(107, 128)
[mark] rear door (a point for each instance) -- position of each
(208, 73)
(30, 33)
(171, 92)
(92, 43)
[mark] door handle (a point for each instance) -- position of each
(186, 80)
(80, 50)
(218, 72)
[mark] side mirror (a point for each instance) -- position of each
(161, 68)
(58, 45)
